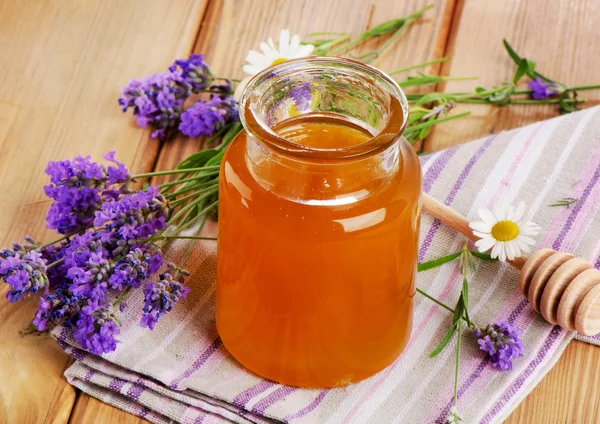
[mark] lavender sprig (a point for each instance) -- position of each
(78, 188)
(194, 71)
(501, 341)
(112, 245)
(157, 101)
(160, 297)
(24, 271)
(206, 118)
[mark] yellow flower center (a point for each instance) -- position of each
(505, 231)
(278, 61)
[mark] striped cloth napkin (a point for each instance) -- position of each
(181, 372)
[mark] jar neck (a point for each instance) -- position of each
(343, 91)
(317, 182)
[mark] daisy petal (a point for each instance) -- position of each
(305, 50)
(485, 244)
(502, 253)
(251, 69)
(499, 212)
(482, 235)
(519, 211)
(523, 247)
(512, 251)
(496, 250)
(510, 213)
(482, 227)
(487, 216)
(529, 229)
(526, 239)
(284, 42)
(294, 45)
(257, 59)
(268, 50)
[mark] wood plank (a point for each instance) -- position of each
(91, 410)
(63, 63)
(568, 394)
(229, 20)
(562, 37)
(564, 40)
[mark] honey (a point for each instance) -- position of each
(317, 258)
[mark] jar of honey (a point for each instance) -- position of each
(319, 209)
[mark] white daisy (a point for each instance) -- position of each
(506, 230)
(286, 49)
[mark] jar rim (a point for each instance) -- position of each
(385, 137)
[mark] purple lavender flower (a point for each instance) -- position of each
(160, 297)
(24, 272)
(157, 101)
(501, 341)
(132, 217)
(541, 89)
(78, 188)
(58, 307)
(195, 71)
(226, 88)
(134, 268)
(86, 276)
(208, 117)
(96, 329)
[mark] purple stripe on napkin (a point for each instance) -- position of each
(311, 407)
(243, 398)
(204, 356)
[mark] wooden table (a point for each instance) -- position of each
(62, 63)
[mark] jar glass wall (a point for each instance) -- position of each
(319, 208)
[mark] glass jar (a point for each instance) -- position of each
(319, 209)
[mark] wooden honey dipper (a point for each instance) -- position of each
(563, 288)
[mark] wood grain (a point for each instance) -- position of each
(229, 20)
(560, 35)
(91, 410)
(63, 62)
(563, 37)
(568, 393)
(62, 65)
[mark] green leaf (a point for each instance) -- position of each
(424, 133)
(392, 25)
(444, 342)
(483, 256)
(198, 159)
(235, 129)
(565, 106)
(420, 65)
(465, 299)
(511, 52)
(459, 310)
(521, 70)
(437, 262)
(531, 68)
(412, 128)
(465, 293)
(502, 96)
(433, 97)
(216, 159)
(530, 65)
(416, 113)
